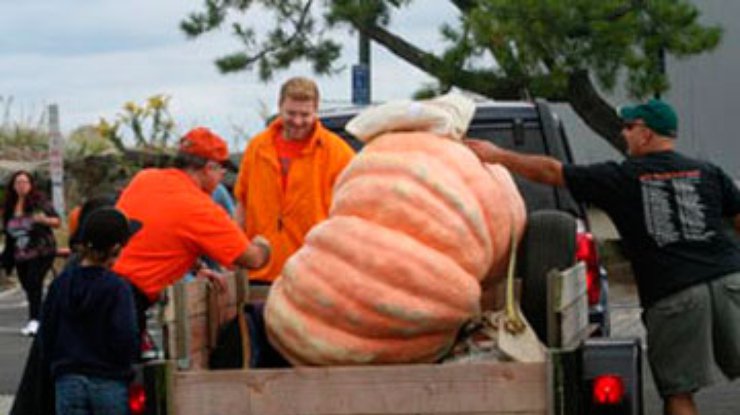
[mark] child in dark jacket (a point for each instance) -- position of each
(89, 332)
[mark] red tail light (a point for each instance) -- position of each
(586, 252)
(136, 399)
(608, 390)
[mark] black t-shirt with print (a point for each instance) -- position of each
(30, 239)
(669, 211)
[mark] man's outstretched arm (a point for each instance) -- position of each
(257, 254)
(541, 169)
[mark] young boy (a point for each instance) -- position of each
(89, 332)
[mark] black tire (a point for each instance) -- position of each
(549, 243)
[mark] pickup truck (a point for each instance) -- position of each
(562, 293)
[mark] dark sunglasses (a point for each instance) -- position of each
(629, 125)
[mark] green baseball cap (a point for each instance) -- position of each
(656, 114)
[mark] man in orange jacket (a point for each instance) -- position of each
(284, 185)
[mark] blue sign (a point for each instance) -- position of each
(360, 84)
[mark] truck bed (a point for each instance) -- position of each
(477, 387)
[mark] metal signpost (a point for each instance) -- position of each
(360, 84)
(56, 160)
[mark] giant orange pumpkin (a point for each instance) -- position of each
(416, 223)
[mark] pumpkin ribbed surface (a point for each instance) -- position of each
(416, 223)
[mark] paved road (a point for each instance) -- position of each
(13, 346)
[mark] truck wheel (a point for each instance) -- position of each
(549, 243)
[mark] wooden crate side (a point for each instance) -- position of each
(567, 300)
(479, 388)
(196, 302)
(205, 312)
(198, 344)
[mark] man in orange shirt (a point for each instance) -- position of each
(180, 221)
(285, 180)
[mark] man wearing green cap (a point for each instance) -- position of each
(669, 210)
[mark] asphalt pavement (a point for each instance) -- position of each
(13, 346)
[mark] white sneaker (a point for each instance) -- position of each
(31, 328)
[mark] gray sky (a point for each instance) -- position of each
(91, 57)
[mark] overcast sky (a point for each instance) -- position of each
(91, 57)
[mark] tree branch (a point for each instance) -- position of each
(627, 8)
(464, 6)
(225, 64)
(598, 114)
(482, 82)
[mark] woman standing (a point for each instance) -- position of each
(28, 219)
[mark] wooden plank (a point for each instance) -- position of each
(181, 327)
(479, 388)
(571, 285)
(197, 298)
(195, 344)
(567, 307)
(574, 322)
(189, 334)
(199, 360)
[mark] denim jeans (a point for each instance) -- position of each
(88, 395)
